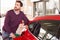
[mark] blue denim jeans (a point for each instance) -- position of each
(5, 36)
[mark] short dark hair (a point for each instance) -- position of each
(21, 4)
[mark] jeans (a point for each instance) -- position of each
(5, 36)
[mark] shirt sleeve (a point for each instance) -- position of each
(7, 27)
(26, 21)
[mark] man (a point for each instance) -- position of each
(12, 21)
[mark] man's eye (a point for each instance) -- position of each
(17, 5)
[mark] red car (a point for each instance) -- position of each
(51, 24)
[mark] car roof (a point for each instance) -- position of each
(50, 17)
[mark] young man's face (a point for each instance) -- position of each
(17, 6)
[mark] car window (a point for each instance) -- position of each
(35, 28)
(31, 26)
(51, 28)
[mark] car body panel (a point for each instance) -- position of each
(50, 17)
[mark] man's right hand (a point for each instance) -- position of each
(12, 35)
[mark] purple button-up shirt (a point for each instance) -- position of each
(12, 21)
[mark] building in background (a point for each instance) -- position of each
(46, 7)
